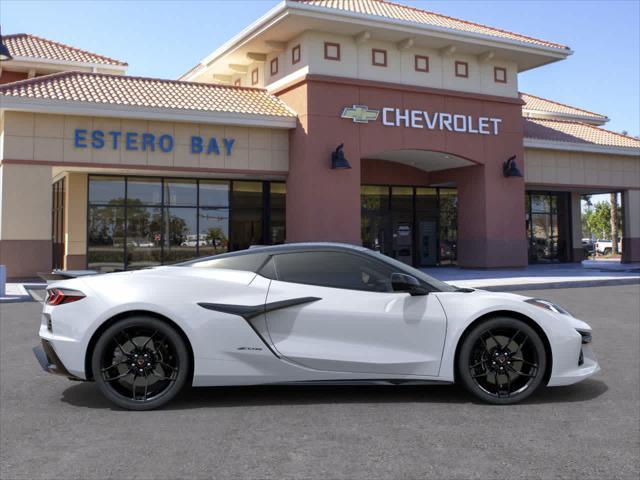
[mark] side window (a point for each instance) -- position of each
(334, 269)
(246, 261)
(268, 270)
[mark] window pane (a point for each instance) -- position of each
(214, 193)
(180, 238)
(426, 226)
(105, 245)
(278, 229)
(214, 231)
(180, 193)
(334, 269)
(375, 198)
(246, 228)
(144, 233)
(278, 202)
(540, 204)
(375, 226)
(402, 199)
(106, 190)
(540, 247)
(247, 194)
(144, 191)
(246, 215)
(448, 226)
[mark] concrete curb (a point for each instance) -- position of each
(551, 285)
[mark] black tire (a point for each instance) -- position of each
(135, 351)
(501, 352)
(607, 251)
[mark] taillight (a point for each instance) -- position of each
(58, 296)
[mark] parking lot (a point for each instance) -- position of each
(53, 428)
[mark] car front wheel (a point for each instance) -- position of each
(140, 363)
(502, 361)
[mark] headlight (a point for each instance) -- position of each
(546, 304)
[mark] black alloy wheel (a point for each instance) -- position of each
(502, 361)
(140, 363)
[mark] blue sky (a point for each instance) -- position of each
(166, 38)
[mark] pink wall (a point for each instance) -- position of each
(324, 204)
(383, 172)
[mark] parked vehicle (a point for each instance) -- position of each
(588, 246)
(605, 247)
(303, 313)
(193, 240)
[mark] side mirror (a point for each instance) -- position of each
(401, 282)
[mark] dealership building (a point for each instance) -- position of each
(365, 122)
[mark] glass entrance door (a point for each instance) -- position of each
(57, 224)
(548, 229)
(416, 225)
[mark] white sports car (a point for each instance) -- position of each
(303, 313)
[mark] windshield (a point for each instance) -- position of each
(403, 267)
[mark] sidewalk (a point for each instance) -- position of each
(539, 276)
(20, 292)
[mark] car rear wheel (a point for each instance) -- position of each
(140, 363)
(502, 361)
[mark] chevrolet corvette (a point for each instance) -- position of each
(300, 314)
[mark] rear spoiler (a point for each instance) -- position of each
(65, 274)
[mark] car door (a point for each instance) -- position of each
(351, 320)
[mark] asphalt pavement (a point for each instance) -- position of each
(54, 428)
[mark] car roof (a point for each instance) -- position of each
(283, 248)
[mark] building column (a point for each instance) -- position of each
(25, 219)
(322, 204)
(75, 221)
(577, 252)
(491, 219)
(631, 239)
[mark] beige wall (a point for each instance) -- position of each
(577, 169)
(355, 62)
(25, 201)
(50, 138)
(75, 214)
(631, 206)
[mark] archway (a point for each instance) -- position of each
(409, 205)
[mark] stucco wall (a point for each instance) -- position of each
(25, 223)
(75, 220)
(356, 62)
(50, 138)
(324, 204)
(554, 167)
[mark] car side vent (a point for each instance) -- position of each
(49, 323)
(586, 337)
(581, 358)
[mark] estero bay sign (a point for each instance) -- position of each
(403, 117)
(136, 141)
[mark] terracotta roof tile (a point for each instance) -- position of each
(395, 11)
(31, 46)
(545, 105)
(575, 132)
(148, 92)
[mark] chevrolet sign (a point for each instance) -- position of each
(360, 114)
(397, 117)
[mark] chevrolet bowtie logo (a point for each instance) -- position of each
(360, 114)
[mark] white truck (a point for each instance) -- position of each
(605, 247)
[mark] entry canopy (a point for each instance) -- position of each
(384, 21)
(426, 160)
